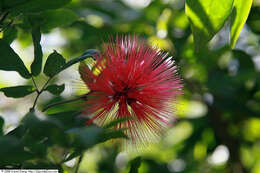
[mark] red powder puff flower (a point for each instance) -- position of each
(132, 80)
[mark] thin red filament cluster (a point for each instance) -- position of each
(131, 79)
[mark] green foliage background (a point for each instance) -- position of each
(218, 127)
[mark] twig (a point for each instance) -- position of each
(39, 92)
(34, 83)
(6, 27)
(78, 164)
(63, 102)
(3, 17)
(35, 101)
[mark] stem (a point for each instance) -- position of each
(6, 27)
(3, 17)
(35, 101)
(63, 102)
(79, 161)
(34, 83)
(39, 92)
(43, 88)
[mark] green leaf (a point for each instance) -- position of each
(10, 34)
(1, 126)
(238, 18)
(135, 164)
(86, 137)
(53, 130)
(57, 18)
(54, 64)
(36, 66)
(18, 91)
(10, 61)
(87, 54)
(76, 153)
(55, 89)
(26, 6)
(12, 151)
(38, 148)
(18, 132)
(207, 17)
(69, 119)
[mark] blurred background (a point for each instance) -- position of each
(218, 126)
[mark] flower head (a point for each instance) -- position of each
(130, 79)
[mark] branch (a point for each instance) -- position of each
(78, 164)
(64, 102)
